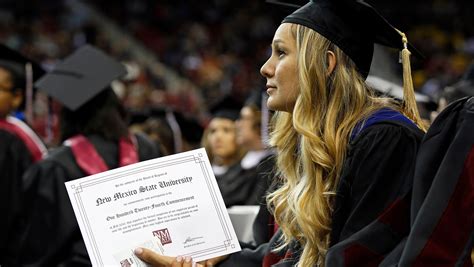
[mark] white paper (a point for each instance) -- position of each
(170, 204)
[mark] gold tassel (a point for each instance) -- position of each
(409, 102)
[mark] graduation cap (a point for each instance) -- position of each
(191, 129)
(138, 116)
(183, 127)
(355, 26)
(80, 77)
(288, 5)
(24, 73)
(228, 108)
(18, 64)
(255, 99)
(385, 87)
(258, 99)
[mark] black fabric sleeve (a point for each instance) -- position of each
(146, 148)
(263, 226)
(14, 160)
(372, 209)
(378, 171)
(51, 233)
(246, 257)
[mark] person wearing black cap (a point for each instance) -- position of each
(344, 155)
(239, 180)
(169, 129)
(96, 139)
(20, 146)
(188, 127)
(257, 165)
(220, 141)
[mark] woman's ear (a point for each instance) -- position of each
(331, 62)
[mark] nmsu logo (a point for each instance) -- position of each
(163, 235)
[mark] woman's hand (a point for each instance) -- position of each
(157, 260)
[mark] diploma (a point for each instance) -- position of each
(171, 205)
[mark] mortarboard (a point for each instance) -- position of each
(182, 126)
(227, 113)
(228, 108)
(138, 116)
(25, 72)
(390, 89)
(354, 26)
(191, 129)
(256, 98)
(80, 77)
(16, 63)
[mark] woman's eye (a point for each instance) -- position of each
(280, 53)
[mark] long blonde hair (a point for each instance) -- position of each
(312, 142)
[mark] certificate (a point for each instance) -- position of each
(171, 205)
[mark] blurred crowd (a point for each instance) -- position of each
(217, 45)
(220, 45)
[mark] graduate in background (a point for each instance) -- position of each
(220, 142)
(19, 145)
(247, 181)
(95, 139)
(171, 131)
(257, 166)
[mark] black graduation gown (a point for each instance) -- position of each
(239, 186)
(372, 210)
(375, 183)
(52, 236)
(442, 221)
(15, 158)
(441, 229)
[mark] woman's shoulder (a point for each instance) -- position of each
(11, 142)
(388, 123)
(385, 139)
(382, 139)
(57, 155)
(389, 129)
(57, 163)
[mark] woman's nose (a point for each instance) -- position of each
(266, 70)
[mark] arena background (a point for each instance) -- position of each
(187, 55)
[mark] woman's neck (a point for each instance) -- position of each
(224, 161)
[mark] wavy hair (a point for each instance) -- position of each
(312, 142)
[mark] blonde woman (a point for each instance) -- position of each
(345, 157)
